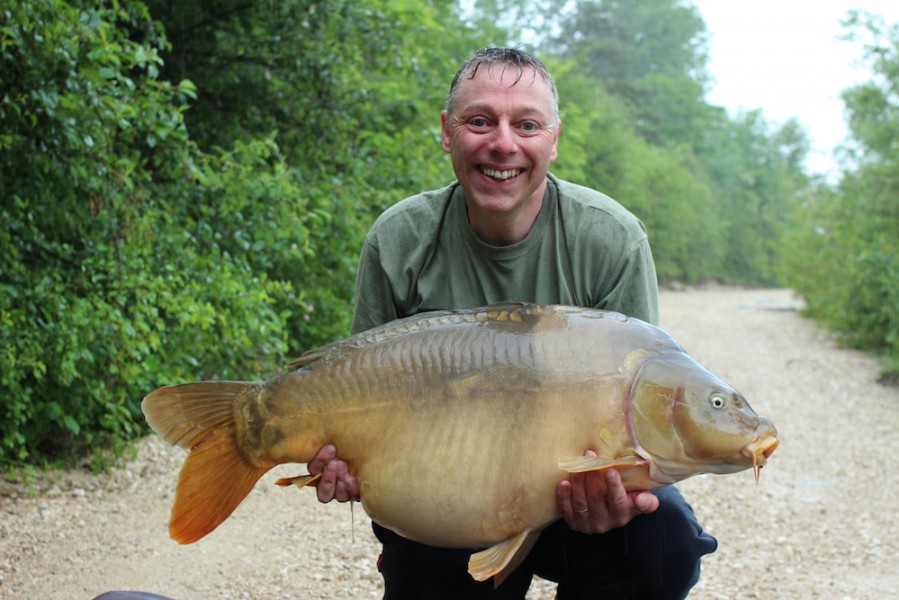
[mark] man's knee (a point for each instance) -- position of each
(676, 543)
(654, 556)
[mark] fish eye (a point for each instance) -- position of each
(717, 401)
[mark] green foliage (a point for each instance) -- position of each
(648, 54)
(116, 271)
(845, 259)
(348, 89)
(757, 173)
(85, 126)
(133, 257)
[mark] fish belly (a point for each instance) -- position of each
(473, 476)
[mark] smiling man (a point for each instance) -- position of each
(507, 229)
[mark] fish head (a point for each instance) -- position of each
(685, 421)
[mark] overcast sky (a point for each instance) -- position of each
(785, 58)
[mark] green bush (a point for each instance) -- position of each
(86, 128)
(845, 264)
(130, 259)
(845, 259)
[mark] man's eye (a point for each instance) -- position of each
(479, 122)
(529, 126)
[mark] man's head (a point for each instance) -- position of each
(502, 127)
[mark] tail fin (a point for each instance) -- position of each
(216, 476)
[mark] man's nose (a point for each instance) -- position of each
(503, 141)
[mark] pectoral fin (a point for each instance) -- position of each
(300, 480)
(500, 560)
(580, 464)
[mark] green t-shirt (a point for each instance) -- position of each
(584, 249)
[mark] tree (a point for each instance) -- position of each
(113, 278)
(650, 54)
(757, 170)
(847, 257)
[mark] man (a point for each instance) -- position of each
(509, 230)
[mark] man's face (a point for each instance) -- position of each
(502, 137)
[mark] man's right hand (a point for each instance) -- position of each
(336, 482)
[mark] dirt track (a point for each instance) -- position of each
(822, 523)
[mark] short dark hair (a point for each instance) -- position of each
(513, 57)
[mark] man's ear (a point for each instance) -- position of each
(558, 134)
(444, 128)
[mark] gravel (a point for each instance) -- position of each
(821, 523)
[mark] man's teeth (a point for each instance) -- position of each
(496, 174)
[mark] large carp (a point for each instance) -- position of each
(459, 425)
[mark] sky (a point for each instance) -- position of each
(785, 58)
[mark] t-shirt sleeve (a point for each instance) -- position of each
(374, 304)
(390, 262)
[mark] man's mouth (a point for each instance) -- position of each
(500, 175)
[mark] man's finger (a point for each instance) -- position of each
(646, 502)
(595, 489)
(327, 485)
(616, 495)
(341, 494)
(572, 511)
(324, 456)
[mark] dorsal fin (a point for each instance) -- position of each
(500, 311)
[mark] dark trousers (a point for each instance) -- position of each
(655, 556)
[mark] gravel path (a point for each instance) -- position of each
(822, 522)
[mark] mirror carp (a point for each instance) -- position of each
(459, 425)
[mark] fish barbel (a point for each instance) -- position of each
(459, 425)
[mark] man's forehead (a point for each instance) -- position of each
(503, 73)
(524, 78)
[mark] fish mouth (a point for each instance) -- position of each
(759, 450)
